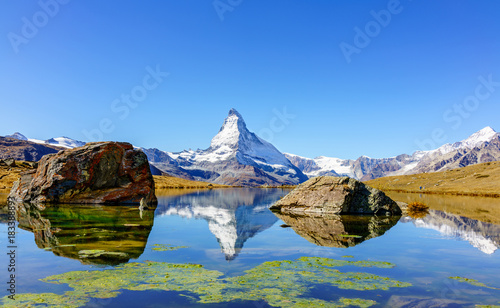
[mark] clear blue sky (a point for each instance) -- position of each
(64, 74)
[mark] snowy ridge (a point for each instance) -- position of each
(18, 136)
(64, 142)
(340, 166)
(398, 165)
(474, 140)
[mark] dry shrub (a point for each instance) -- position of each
(417, 210)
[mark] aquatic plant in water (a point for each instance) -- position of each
(166, 247)
(473, 282)
(279, 283)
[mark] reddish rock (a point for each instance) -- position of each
(99, 172)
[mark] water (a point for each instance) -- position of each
(241, 246)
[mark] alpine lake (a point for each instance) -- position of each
(224, 248)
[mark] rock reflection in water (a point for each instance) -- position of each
(340, 231)
(233, 215)
(94, 234)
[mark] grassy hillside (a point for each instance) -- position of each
(8, 175)
(476, 180)
(166, 182)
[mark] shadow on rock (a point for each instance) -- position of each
(107, 235)
(341, 231)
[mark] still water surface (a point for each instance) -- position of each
(152, 258)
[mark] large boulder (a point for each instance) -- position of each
(336, 195)
(99, 172)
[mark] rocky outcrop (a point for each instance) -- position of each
(100, 172)
(9, 162)
(336, 195)
(24, 150)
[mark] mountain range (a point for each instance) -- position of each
(239, 157)
(482, 146)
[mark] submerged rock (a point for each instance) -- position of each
(336, 195)
(99, 172)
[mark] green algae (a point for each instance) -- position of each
(473, 282)
(279, 283)
(166, 247)
(96, 253)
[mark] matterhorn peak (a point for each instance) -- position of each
(234, 112)
(229, 133)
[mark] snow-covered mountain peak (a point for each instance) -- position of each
(18, 136)
(478, 138)
(65, 142)
(234, 112)
(229, 134)
(484, 135)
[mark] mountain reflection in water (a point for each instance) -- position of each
(233, 215)
(482, 235)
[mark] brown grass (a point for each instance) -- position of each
(479, 208)
(476, 180)
(168, 182)
(8, 175)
